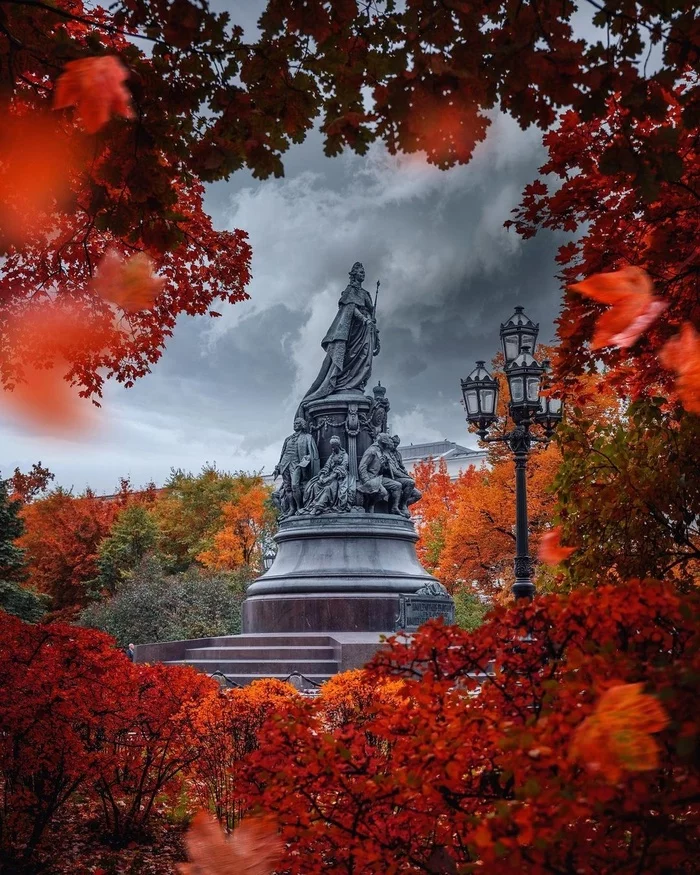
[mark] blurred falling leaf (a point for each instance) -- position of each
(95, 86)
(551, 550)
(682, 355)
(633, 307)
(49, 336)
(616, 738)
(36, 159)
(254, 848)
(130, 284)
(47, 403)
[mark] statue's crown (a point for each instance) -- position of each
(379, 390)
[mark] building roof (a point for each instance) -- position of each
(436, 450)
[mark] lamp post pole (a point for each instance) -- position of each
(527, 407)
(523, 586)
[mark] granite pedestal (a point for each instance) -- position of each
(346, 572)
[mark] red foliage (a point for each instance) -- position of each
(129, 189)
(475, 768)
(62, 537)
(682, 356)
(81, 716)
(146, 742)
(632, 181)
(28, 486)
(63, 680)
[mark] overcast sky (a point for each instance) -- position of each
(226, 390)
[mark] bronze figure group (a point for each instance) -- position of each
(344, 484)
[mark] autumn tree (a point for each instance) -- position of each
(82, 718)
(28, 486)
(436, 506)
(191, 513)
(628, 495)
(61, 541)
(467, 528)
(247, 523)
(136, 132)
(134, 534)
(229, 723)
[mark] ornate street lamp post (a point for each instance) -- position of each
(527, 408)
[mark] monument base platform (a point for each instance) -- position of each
(242, 659)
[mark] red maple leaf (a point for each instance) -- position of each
(95, 86)
(633, 307)
(36, 160)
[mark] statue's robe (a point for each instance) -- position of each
(349, 346)
(332, 495)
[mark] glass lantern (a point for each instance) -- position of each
(524, 375)
(480, 391)
(517, 333)
(550, 413)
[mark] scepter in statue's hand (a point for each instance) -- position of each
(376, 349)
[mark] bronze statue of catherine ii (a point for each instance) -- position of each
(350, 343)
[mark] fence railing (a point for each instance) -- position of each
(295, 678)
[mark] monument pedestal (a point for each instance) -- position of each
(349, 572)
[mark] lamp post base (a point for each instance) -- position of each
(523, 589)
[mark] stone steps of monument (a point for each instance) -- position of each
(292, 639)
(263, 653)
(278, 667)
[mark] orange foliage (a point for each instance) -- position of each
(244, 524)
(467, 529)
(62, 537)
(129, 283)
(350, 697)
(434, 510)
(228, 724)
(616, 738)
(633, 307)
(254, 849)
(682, 355)
(95, 86)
